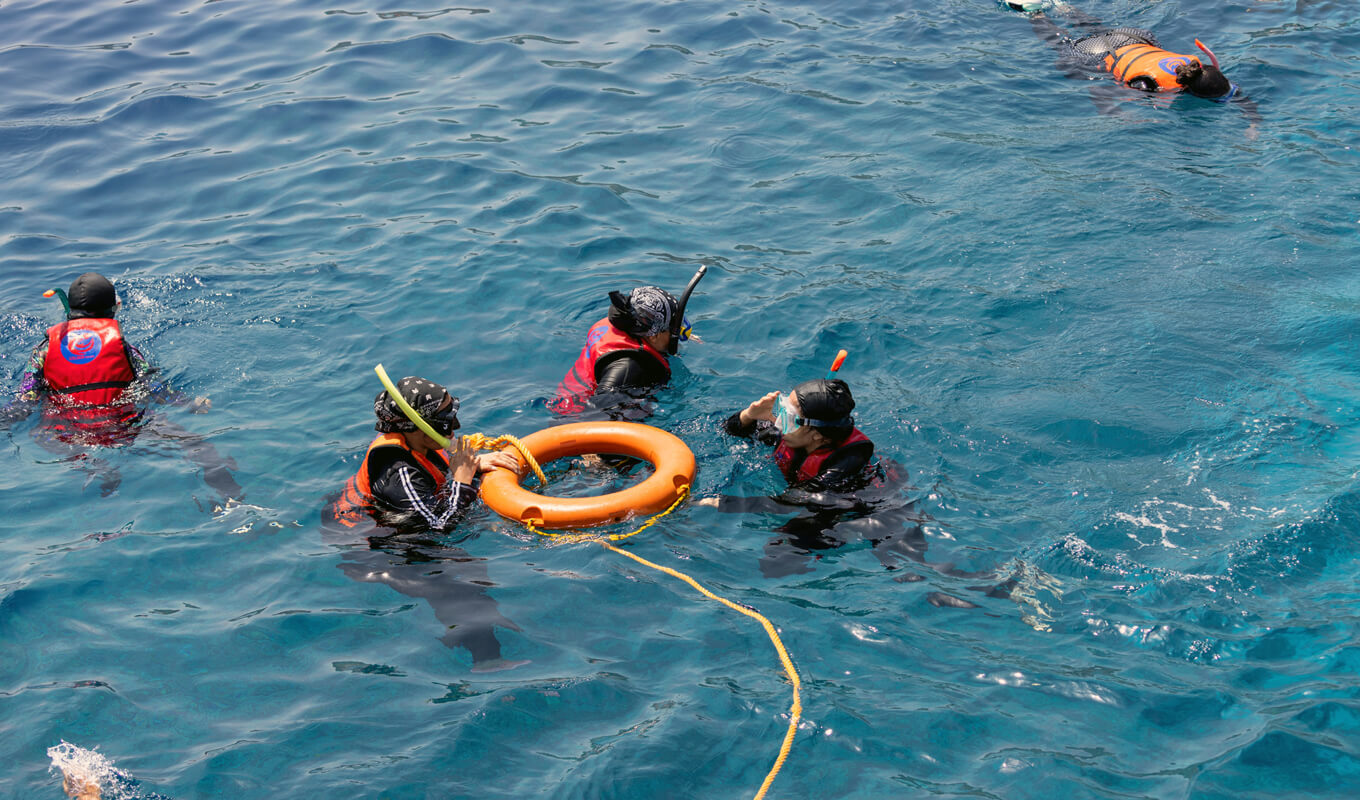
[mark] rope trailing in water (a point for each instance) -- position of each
(481, 442)
(796, 710)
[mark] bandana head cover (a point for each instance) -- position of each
(424, 396)
(646, 311)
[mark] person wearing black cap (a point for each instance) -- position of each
(832, 475)
(818, 446)
(627, 352)
(406, 489)
(406, 481)
(91, 385)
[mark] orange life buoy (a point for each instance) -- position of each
(671, 458)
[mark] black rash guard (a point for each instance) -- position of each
(407, 495)
(628, 371)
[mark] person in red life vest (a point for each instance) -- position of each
(1134, 58)
(91, 385)
(832, 475)
(817, 446)
(627, 354)
(392, 515)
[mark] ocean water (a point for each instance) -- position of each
(1115, 353)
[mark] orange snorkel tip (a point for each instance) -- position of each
(835, 365)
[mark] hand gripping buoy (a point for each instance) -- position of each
(672, 459)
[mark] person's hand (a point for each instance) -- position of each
(760, 409)
(707, 502)
(462, 460)
(489, 461)
(200, 405)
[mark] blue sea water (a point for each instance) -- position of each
(1116, 354)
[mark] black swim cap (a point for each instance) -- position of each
(826, 403)
(91, 296)
(424, 396)
(1206, 81)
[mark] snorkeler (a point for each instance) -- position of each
(1134, 58)
(818, 447)
(832, 474)
(406, 481)
(91, 385)
(628, 352)
(406, 494)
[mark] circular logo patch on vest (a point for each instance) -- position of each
(1168, 65)
(81, 347)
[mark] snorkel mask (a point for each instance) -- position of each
(445, 422)
(784, 414)
(680, 327)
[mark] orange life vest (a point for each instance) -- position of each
(1133, 61)
(811, 466)
(355, 504)
(86, 369)
(580, 381)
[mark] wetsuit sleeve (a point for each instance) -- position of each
(402, 489)
(761, 430)
(32, 386)
(145, 372)
(625, 371)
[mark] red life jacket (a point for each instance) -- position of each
(86, 369)
(1130, 62)
(811, 467)
(580, 381)
(355, 504)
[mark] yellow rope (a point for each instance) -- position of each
(480, 441)
(796, 710)
(572, 538)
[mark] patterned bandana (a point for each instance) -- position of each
(652, 309)
(424, 396)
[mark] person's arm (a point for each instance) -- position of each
(144, 372)
(32, 386)
(401, 488)
(1254, 120)
(626, 371)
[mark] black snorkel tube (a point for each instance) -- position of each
(678, 319)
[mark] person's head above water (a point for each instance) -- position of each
(645, 313)
(825, 405)
(91, 296)
(431, 401)
(1201, 81)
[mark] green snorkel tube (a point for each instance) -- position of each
(60, 294)
(406, 409)
(678, 320)
(475, 441)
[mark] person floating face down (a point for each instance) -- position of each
(626, 354)
(406, 493)
(1134, 58)
(92, 385)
